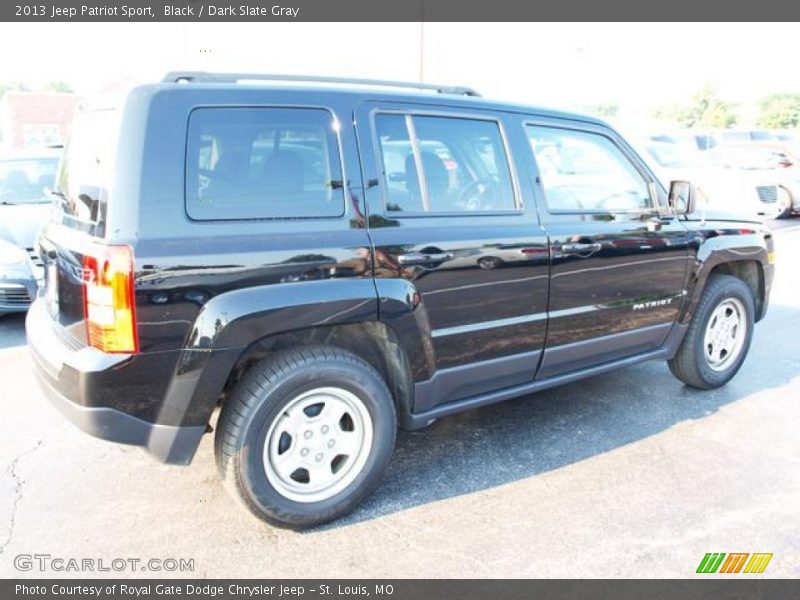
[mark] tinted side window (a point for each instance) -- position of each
(260, 163)
(462, 161)
(586, 172)
(399, 165)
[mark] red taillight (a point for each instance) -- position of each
(108, 301)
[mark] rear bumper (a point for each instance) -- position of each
(76, 382)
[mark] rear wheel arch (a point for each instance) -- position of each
(372, 341)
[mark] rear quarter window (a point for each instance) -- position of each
(263, 163)
(85, 171)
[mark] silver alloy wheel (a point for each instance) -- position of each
(725, 334)
(318, 444)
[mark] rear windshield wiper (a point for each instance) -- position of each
(61, 196)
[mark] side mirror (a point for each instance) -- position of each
(681, 197)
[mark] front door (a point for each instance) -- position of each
(619, 265)
(447, 215)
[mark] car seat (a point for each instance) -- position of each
(437, 180)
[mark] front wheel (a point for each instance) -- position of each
(719, 335)
(786, 202)
(490, 262)
(306, 435)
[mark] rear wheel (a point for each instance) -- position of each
(305, 436)
(719, 335)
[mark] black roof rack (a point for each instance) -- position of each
(204, 77)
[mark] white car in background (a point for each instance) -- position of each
(721, 185)
(777, 158)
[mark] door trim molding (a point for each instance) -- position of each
(420, 419)
(585, 353)
(481, 325)
(556, 314)
(463, 381)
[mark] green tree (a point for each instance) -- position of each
(603, 110)
(705, 109)
(12, 86)
(779, 111)
(59, 86)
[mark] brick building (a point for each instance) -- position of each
(35, 118)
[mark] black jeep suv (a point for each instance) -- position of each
(327, 262)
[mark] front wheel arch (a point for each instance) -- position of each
(692, 364)
(750, 271)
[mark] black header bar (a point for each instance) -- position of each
(400, 10)
(711, 587)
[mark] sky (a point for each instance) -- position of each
(572, 66)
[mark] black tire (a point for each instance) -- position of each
(262, 396)
(690, 364)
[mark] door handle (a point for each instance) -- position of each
(419, 258)
(657, 222)
(580, 248)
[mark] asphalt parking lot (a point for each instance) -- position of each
(629, 474)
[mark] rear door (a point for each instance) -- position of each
(619, 263)
(447, 213)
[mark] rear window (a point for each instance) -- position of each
(263, 163)
(85, 171)
(25, 181)
(462, 162)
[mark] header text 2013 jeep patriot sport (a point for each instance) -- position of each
(327, 262)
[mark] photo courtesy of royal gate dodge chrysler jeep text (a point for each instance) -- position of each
(328, 262)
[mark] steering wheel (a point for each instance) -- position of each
(473, 196)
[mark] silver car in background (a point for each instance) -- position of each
(775, 159)
(25, 178)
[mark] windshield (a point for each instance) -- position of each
(25, 181)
